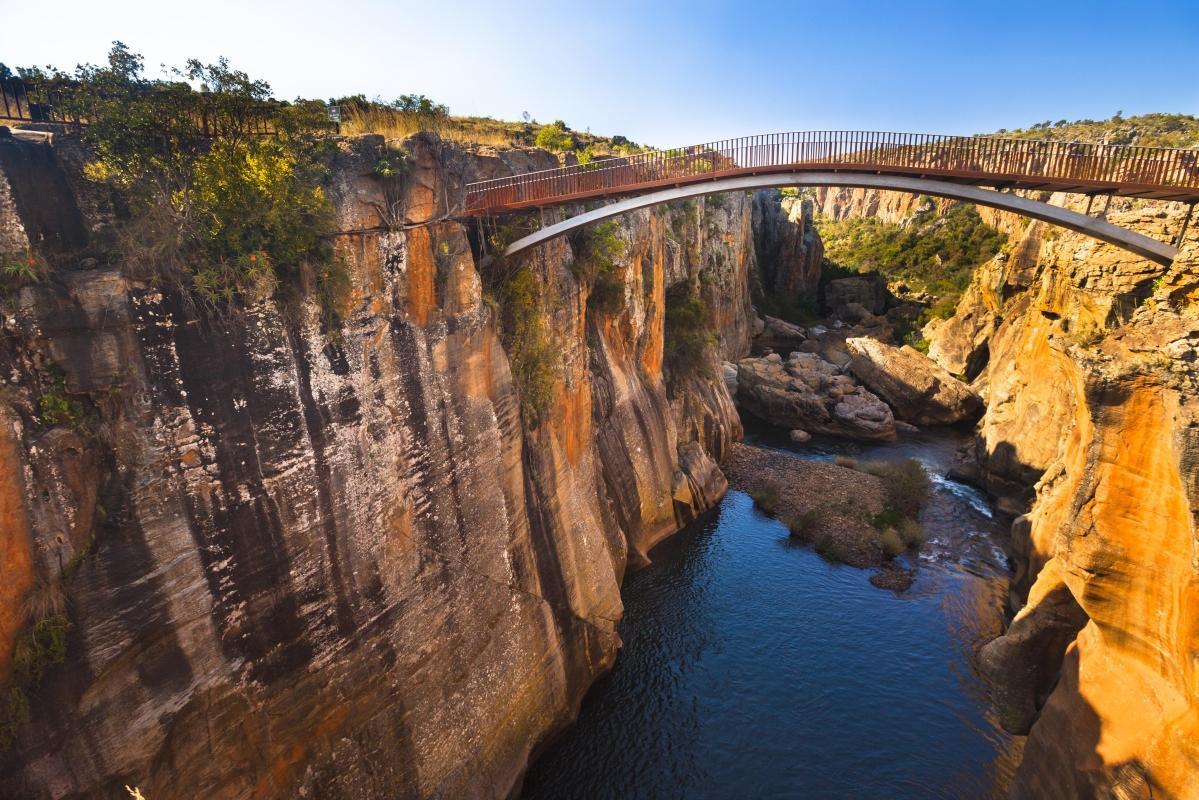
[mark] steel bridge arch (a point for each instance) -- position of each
(1144, 246)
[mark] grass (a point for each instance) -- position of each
(891, 543)
(805, 523)
(907, 487)
(766, 496)
(360, 117)
(830, 548)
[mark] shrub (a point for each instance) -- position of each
(891, 543)
(556, 136)
(55, 408)
(41, 646)
(687, 339)
(533, 356)
(888, 518)
(803, 524)
(766, 496)
(830, 548)
(905, 482)
(597, 250)
(911, 532)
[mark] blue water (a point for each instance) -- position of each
(753, 668)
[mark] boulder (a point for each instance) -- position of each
(780, 334)
(800, 436)
(869, 291)
(918, 389)
(809, 393)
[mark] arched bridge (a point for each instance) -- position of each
(957, 167)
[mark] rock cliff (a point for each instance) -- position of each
(296, 561)
(1087, 358)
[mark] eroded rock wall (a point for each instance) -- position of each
(1087, 358)
(340, 563)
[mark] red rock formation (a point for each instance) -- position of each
(344, 565)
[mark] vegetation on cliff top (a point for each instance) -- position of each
(409, 114)
(216, 206)
(1144, 130)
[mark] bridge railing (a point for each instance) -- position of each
(985, 158)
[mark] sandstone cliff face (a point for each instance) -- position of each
(789, 249)
(323, 563)
(1087, 358)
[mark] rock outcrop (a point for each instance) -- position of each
(1087, 358)
(809, 393)
(339, 563)
(789, 250)
(917, 389)
(854, 297)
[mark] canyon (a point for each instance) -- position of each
(304, 561)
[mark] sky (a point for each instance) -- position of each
(670, 73)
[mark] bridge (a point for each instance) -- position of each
(975, 169)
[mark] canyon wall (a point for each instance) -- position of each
(1087, 356)
(298, 561)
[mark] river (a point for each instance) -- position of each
(753, 668)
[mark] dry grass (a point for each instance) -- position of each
(395, 124)
(398, 124)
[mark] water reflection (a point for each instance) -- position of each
(753, 668)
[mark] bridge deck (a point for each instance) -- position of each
(1146, 172)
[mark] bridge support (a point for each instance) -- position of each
(1144, 246)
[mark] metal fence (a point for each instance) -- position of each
(1020, 163)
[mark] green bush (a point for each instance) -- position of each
(687, 339)
(533, 356)
(597, 250)
(42, 645)
(556, 136)
(55, 407)
(766, 496)
(830, 548)
(911, 532)
(223, 211)
(905, 482)
(888, 518)
(805, 523)
(891, 543)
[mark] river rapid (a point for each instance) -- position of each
(752, 667)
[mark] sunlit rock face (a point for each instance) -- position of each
(307, 562)
(1087, 358)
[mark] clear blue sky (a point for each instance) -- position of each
(671, 73)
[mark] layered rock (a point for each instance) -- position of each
(806, 392)
(304, 562)
(789, 250)
(1087, 358)
(853, 297)
(917, 389)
